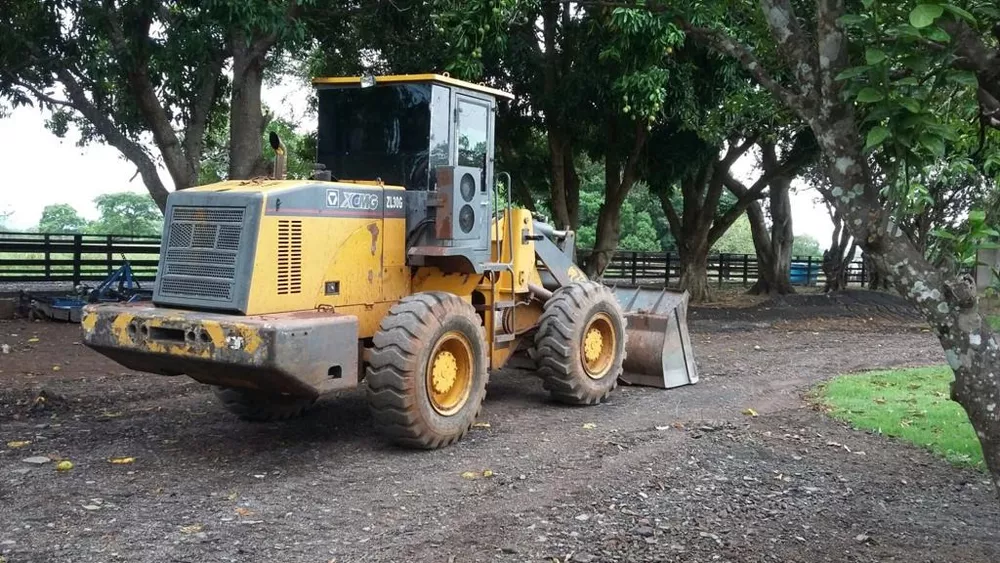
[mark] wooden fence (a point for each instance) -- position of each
(46, 257)
(664, 269)
(40, 257)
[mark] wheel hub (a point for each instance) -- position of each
(449, 373)
(593, 344)
(445, 372)
(598, 348)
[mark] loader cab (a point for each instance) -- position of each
(401, 129)
(431, 134)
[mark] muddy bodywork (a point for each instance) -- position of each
(304, 353)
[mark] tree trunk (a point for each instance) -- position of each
(571, 184)
(694, 275)
(246, 120)
(557, 163)
(774, 252)
(877, 280)
(619, 177)
(774, 249)
(782, 236)
(949, 302)
(606, 240)
(839, 256)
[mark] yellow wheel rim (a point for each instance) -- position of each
(599, 345)
(449, 373)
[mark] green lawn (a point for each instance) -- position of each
(911, 404)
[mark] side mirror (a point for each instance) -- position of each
(280, 158)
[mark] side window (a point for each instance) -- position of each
(473, 130)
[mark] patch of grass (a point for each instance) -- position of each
(910, 404)
(994, 321)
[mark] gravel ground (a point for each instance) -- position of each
(677, 475)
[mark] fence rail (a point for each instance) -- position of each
(664, 268)
(41, 257)
(48, 257)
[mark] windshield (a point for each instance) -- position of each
(380, 132)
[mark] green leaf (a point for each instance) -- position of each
(977, 216)
(852, 19)
(939, 35)
(910, 104)
(877, 136)
(925, 14)
(941, 233)
(908, 81)
(874, 56)
(960, 13)
(853, 72)
(903, 30)
(870, 95)
(933, 143)
(867, 3)
(964, 77)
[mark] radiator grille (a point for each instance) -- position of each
(201, 270)
(289, 257)
(189, 214)
(201, 255)
(203, 288)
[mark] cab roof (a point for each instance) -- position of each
(401, 78)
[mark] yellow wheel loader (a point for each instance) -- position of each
(398, 264)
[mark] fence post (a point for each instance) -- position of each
(809, 270)
(746, 269)
(110, 254)
(48, 256)
(722, 260)
(666, 271)
(77, 256)
(635, 256)
(864, 272)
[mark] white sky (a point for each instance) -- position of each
(39, 169)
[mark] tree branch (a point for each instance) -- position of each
(673, 219)
(793, 41)
(43, 97)
(194, 136)
(152, 110)
(129, 148)
(832, 49)
(728, 46)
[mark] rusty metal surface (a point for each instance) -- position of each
(659, 352)
(303, 353)
(443, 228)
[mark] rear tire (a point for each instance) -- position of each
(257, 406)
(427, 371)
(580, 343)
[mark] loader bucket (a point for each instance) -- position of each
(658, 349)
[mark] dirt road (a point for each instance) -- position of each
(677, 475)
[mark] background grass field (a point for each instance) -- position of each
(909, 404)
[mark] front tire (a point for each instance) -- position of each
(580, 343)
(427, 371)
(256, 406)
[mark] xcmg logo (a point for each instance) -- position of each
(361, 201)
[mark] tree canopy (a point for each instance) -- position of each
(61, 218)
(124, 71)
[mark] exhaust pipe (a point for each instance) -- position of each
(280, 157)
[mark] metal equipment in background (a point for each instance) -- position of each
(120, 287)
